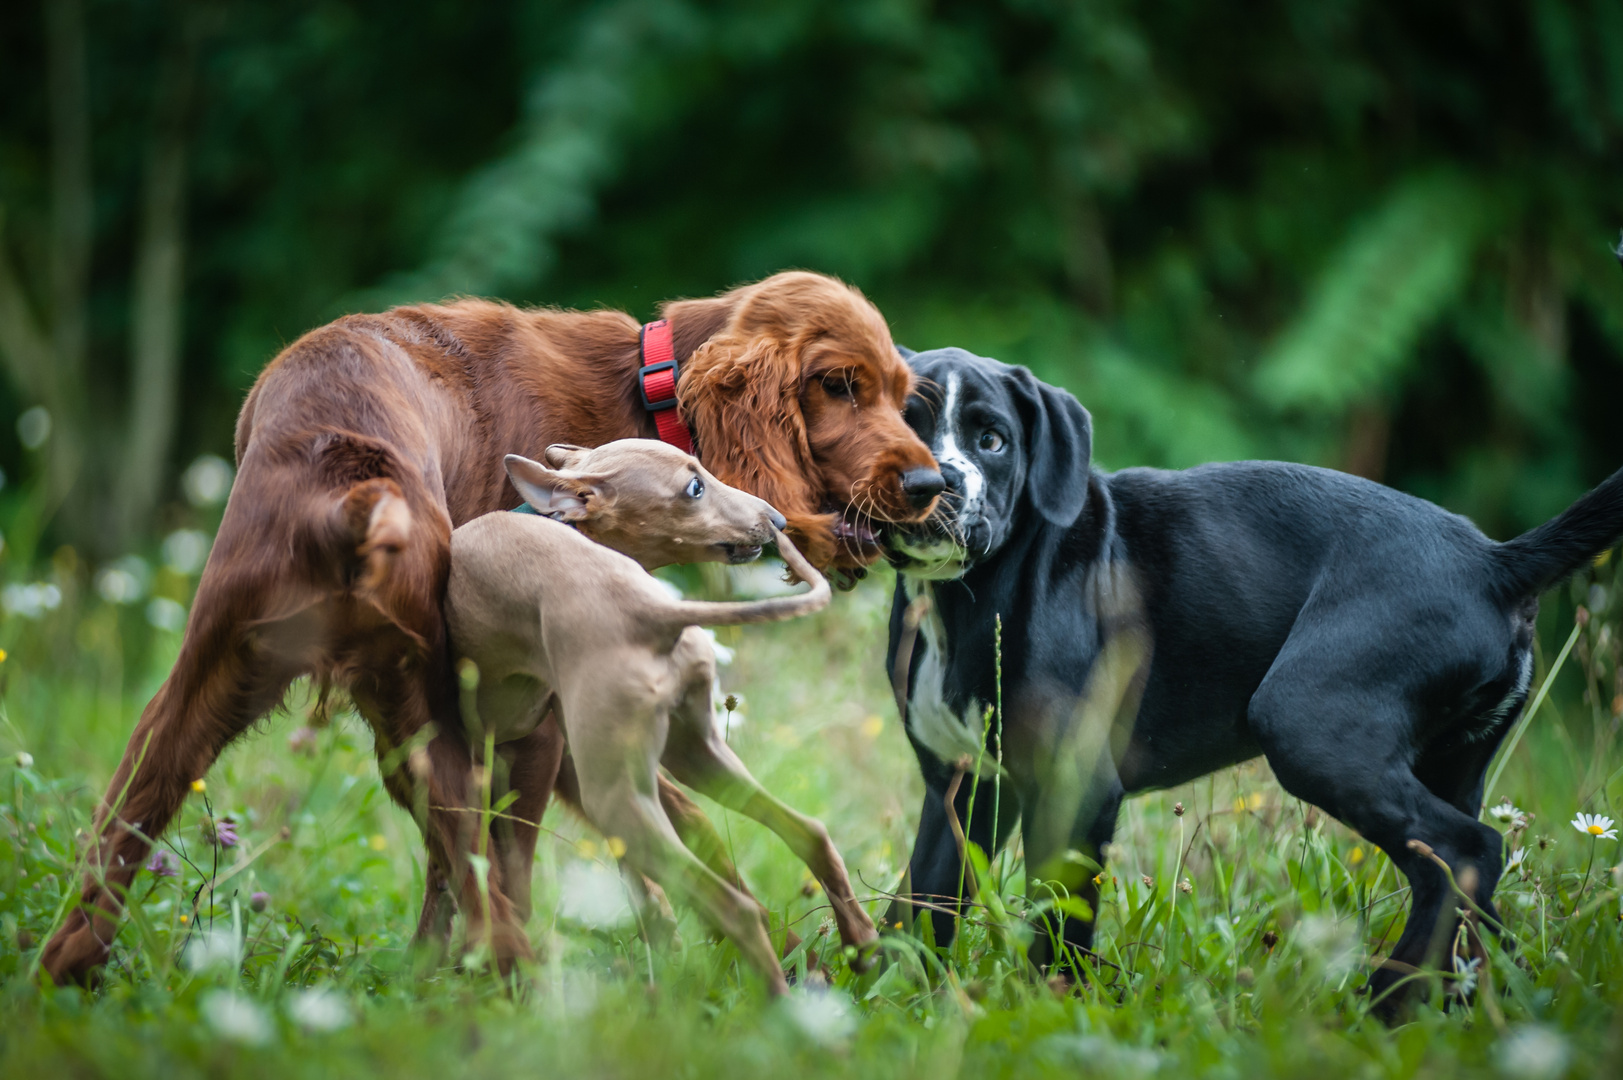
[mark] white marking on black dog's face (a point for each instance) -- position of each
(972, 481)
(965, 415)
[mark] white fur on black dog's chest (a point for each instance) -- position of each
(1493, 722)
(950, 734)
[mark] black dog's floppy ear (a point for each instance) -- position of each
(1059, 446)
(554, 494)
(905, 353)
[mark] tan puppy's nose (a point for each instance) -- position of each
(779, 522)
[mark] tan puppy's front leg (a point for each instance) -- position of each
(696, 756)
(654, 849)
(619, 794)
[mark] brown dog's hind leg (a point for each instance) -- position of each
(221, 683)
(532, 767)
(442, 797)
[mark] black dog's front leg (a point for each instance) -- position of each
(936, 871)
(1057, 931)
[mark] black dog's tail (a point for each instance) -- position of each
(1562, 546)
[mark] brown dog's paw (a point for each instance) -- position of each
(75, 953)
(510, 946)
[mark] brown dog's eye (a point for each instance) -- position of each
(836, 386)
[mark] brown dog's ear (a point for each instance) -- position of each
(742, 399)
(566, 497)
(563, 455)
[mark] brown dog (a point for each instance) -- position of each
(559, 626)
(367, 441)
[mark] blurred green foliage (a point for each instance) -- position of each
(1364, 235)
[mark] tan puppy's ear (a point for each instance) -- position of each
(743, 399)
(563, 455)
(557, 495)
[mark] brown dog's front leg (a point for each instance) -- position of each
(436, 783)
(533, 765)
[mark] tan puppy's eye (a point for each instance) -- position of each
(695, 488)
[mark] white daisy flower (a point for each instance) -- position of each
(1596, 825)
(1466, 972)
(1509, 814)
(1517, 857)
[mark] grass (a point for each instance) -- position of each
(1234, 936)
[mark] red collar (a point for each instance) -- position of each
(657, 382)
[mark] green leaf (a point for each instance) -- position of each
(1394, 275)
(1074, 907)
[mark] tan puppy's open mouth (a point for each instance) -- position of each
(741, 553)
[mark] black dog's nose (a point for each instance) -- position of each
(779, 522)
(920, 485)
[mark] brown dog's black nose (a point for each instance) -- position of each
(920, 485)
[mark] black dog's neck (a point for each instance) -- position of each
(1000, 584)
(1034, 542)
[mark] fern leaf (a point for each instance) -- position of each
(1394, 275)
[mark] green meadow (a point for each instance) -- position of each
(1235, 929)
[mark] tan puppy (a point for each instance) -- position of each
(560, 625)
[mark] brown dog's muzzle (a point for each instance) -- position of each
(900, 489)
(903, 486)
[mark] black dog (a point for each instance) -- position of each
(1159, 625)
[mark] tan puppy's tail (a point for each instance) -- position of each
(704, 613)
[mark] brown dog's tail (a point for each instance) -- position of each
(703, 613)
(369, 526)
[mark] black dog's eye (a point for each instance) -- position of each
(695, 488)
(836, 386)
(991, 442)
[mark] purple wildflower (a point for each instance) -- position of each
(220, 832)
(163, 864)
(259, 901)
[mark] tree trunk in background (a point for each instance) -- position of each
(72, 226)
(1369, 437)
(155, 303)
(25, 348)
